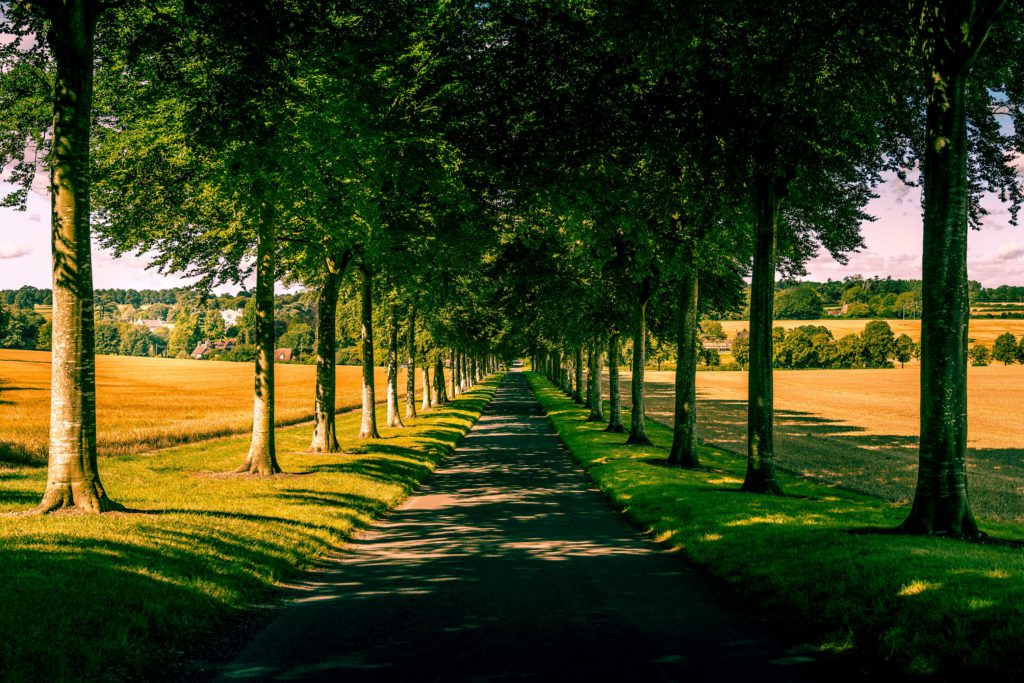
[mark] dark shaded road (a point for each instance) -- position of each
(510, 566)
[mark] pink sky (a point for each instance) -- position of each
(995, 254)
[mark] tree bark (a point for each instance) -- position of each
(439, 381)
(577, 388)
(760, 477)
(410, 361)
(594, 384)
(637, 424)
(325, 436)
(614, 398)
(72, 478)
(262, 456)
(684, 430)
(941, 504)
(368, 425)
(394, 421)
(455, 374)
(425, 405)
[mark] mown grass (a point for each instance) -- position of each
(111, 597)
(925, 606)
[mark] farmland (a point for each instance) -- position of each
(981, 331)
(147, 403)
(858, 428)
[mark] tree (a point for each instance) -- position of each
(1004, 349)
(798, 303)
(62, 33)
(712, 329)
(879, 344)
(906, 349)
(740, 350)
(980, 355)
(951, 37)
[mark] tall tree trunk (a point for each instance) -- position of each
(325, 436)
(455, 374)
(476, 370)
(614, 398)
(394, 420)
(577, 388)
(684, 430)
(425, 405)
(410, 361)
(439, 381)
(941, 504)
(262, 457)
(637, 424)
(760, 476)
(368, 425)
(594, 383)
(72, 478)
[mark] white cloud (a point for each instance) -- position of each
(8, 250)
(1009, 252)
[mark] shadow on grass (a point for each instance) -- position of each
(838, 453)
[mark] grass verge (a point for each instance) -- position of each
(927, 606)
(111, 597)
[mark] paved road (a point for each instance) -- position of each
(510, 566)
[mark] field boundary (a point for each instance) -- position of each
(818, 558)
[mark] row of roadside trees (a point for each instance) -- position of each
(537, 176)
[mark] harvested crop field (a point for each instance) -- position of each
(146, 403)
(982, 331)
(858, 428)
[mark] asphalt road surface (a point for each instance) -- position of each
(509, 566)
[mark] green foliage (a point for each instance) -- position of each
(44, 340)
(712, 329)
(185, 336)
(1004, 349)
(241, 352)
(798, 303)
(19, 329)
(980, 355)
(108, 338)
(135, 341)
(906, 349)
(741, 350)
(879, 344)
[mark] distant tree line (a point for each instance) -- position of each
(814, 346)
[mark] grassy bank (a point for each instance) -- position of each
(924, 605)
(110, 597)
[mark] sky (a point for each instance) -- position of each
(995, 254)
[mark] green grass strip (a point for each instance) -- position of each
(110, 597)
(922, 605)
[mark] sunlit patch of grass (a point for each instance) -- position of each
(917, 587)
(796, 556)
(122, 592)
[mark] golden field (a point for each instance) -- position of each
(147, 403)
(858, 428)
(982, 331)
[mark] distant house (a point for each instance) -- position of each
(284, 355)
(224, 344)
(231, 316)
(743, 334)
(202, 350)
(716, 344)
